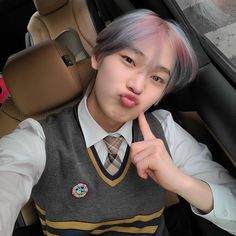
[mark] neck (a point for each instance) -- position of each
(109, 125)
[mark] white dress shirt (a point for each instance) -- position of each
(23, 158)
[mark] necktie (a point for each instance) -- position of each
(113, 161)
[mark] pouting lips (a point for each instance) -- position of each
(128, 101)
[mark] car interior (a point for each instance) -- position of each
(62, 19)
(52, 70)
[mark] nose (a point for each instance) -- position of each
(136, 84)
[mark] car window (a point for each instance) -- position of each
(215, 19)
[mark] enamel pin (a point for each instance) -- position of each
(80, 190)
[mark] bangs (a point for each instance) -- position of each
(144, 24)
(126, 30)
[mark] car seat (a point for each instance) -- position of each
(69, 21)
(42, 79)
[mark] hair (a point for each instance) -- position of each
(137, 25)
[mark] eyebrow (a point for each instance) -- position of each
(139, 52)
(164, 69)
(136, 51)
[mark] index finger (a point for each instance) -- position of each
(145, 128)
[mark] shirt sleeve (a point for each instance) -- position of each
(195, 159)
(22, 161)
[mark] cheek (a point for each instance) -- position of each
(105, 84)
(153, 95)
(110, 77)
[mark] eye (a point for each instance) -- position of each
(158, 79)
(128, 60)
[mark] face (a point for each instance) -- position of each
(129, 81)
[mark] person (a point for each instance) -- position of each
(103, 166)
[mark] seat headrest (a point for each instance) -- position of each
(44, 7)
(70, 38)
(45, 76)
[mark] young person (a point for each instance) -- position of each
(80, 185)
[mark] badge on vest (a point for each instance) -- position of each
(80, 190)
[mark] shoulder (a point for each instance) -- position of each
(29, 127)
(173, 131)
(24, 147)
(164, 117)
(28, 133)
(58, 118)
(168, 124)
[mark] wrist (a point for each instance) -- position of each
(183, 184)
(186, 186)
(197, 193)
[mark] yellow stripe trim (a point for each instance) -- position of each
(42, 222)
(92, 226)
(132, 230)
(107, 180)
(49, 234)
(40, 210)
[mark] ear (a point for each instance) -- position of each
(94, 62)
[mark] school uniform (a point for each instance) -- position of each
(75, 156)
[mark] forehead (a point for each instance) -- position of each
(155, 51)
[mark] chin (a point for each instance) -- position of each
(126, 117)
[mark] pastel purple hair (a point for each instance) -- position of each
(137, 25)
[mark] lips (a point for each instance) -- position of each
(128, 100)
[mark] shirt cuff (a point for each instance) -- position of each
(223, 213)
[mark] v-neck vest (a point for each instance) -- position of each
(122, 204)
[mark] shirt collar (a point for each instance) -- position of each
(93, 132)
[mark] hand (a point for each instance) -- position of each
(152, 159)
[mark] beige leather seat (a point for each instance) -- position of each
(41, 80)
(63, 17)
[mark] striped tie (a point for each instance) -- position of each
(113, 161)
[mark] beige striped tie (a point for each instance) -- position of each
(113, 161)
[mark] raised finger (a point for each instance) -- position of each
(145, 128)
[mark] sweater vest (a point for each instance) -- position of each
(76, 195)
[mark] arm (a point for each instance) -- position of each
(152, 159)
(201, 178)
(195, 160)
(22, 160)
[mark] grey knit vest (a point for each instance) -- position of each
(122, 204)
